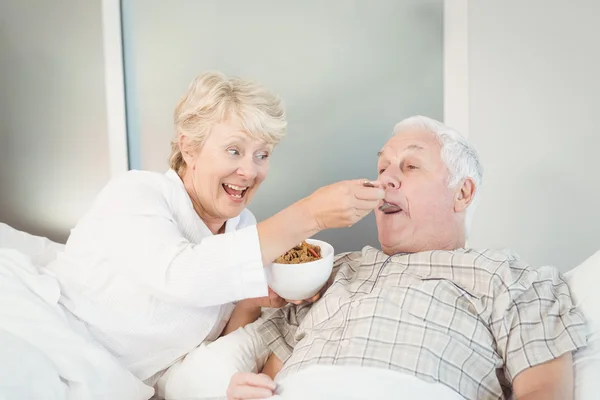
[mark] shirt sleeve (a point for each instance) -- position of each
(278, 332)
(534, 320)
(132, 227)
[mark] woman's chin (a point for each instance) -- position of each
(231, 209)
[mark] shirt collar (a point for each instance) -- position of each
(171, 174)
(230, 225)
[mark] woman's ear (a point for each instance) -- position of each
(188, 151)
(464, 195)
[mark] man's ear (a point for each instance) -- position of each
(188, 151)
(464, 195)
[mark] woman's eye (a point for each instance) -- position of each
(412, 167)
(233, 152)
(262, 156)
(381, 171)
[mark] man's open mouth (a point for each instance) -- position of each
(234, 191)
(390, 208)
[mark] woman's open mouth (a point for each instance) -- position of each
(235, 192)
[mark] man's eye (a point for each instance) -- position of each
(412, 167)
(233, 152)
(381, 171)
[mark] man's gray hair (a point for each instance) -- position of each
(460, 157)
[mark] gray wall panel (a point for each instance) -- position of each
(347, 71)
(534, 98)
(53, 140)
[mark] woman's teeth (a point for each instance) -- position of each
(234, 191)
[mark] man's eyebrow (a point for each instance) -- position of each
(414, 147)
(407, 148)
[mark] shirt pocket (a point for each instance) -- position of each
(451, 287)
(440, 299)
(453, 310)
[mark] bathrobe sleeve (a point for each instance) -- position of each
(140, 228)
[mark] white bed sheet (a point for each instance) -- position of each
(584, 281)
(333, 382)
(41, 250)
(46, 353)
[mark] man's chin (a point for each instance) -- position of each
(392, 241)
(387, 243)
(396, 248)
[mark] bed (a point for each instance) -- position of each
(584, 281)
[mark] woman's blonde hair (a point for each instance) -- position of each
(212, 98)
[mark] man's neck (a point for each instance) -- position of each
(450, 243)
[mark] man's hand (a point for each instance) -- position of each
(247, 385)
(552, 380)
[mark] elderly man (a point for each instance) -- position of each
(482, 324)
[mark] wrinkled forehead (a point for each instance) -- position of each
(226, 132)
(412, 140)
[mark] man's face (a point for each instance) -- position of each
(416, 179)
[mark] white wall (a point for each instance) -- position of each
(347, 70)
(534, 101)
(53, 128)
(529, 102)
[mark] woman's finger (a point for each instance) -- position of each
(367, 193)
(250, 392)
(247, 385)
(275, 301)
(256, 380)
(263, 380)
(305, 301)
(314, 298)
(278, 303)
(366, 205)
(372, 184)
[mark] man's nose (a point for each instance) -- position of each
(390, 181)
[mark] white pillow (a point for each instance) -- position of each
(41, 250)
(205, 372)
(584, 282)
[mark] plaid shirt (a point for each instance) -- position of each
(471, 320)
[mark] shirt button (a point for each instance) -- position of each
(472, 309)
(344, 343)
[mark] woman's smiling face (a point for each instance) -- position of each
(223, 175)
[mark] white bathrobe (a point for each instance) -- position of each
(146, 276)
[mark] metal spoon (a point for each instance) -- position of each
(389, 208)
(368, 184)
(385, 207)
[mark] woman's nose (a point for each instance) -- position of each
(247, 169)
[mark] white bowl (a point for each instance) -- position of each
(301, 281)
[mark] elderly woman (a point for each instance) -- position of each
(163, 262)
